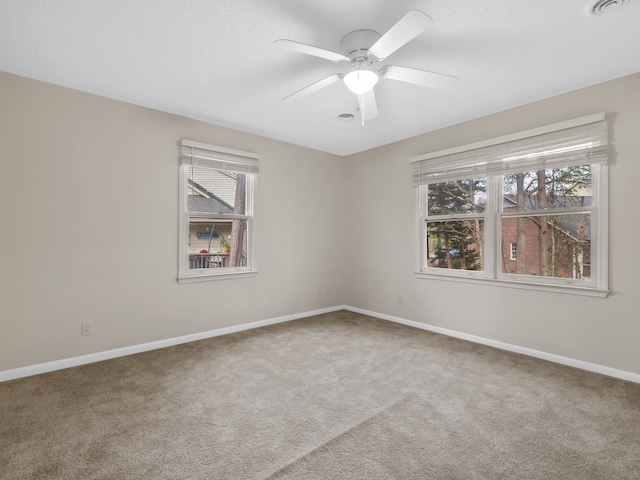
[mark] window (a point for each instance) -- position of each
(455, 230)
(526, 210)
(217, 190)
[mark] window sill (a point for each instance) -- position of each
(540, 287)
(216, 276)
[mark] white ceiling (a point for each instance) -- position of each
(212, 60)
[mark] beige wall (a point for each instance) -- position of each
(88, 203)
(595, 330)
(89, 211)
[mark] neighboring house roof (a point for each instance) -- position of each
(205, 201)
(210, 180)
(575, 229)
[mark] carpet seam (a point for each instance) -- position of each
(341, 434)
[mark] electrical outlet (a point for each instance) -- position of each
(328, 292)
(400, 301)
(320, 293)
(86, 328)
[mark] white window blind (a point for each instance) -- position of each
(576, 142)
(198, 154)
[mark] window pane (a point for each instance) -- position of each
(556, 188)
(217, 243)
(455, 244)
(460, 196)
(215, 191)
(556, 246)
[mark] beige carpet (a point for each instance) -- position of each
(337, 396)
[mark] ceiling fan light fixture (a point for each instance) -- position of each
(361, 81)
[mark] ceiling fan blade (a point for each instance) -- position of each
(309, 50)
(408, 27)
(367, 105)
(439, 81)
(314, 87)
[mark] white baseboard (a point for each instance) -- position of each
(591, 367)
(145, 347)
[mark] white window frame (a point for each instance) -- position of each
(512, 251)
(217, 158)
(596, 285)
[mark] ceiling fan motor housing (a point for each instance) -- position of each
(356, 44)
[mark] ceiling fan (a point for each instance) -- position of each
(363, 49)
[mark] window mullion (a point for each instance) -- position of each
(455, 216)
(218, 216)
(492, 234)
